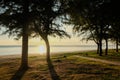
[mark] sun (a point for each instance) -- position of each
(42, 49)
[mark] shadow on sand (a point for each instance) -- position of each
(19, 74)
(52, 71)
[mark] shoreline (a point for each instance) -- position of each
(43, 54)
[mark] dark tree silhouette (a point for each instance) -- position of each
(88, 15)
(17, 17)
(45, 24)
(94, 17)
(50, 11)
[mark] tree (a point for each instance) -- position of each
(46, 23)
(17, 17)
(20, 16)
(115, 37)
(90, 12)
(98, 15)
(113, 20)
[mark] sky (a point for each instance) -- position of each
(74, 40)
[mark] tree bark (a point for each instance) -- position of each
(100, 40)
(117, 45)
(98, 48)
(47, 49)
(106, 50)
(24, 61)
(100, 51)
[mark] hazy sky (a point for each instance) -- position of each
(5, 40)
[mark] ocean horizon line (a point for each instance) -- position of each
(66, 45)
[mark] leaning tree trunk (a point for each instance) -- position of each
(53, 74)
(24, 61)
(116, 45)
(47, 49)
(106, 50)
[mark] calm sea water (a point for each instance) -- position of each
(10, 50)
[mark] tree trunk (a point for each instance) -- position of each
(117, 45)
(98, 48)
(47, 49)
(24, 61)
(100, 51)
(100, 40)
(106, 50)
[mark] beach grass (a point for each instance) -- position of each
(66, 66)
(112, 55)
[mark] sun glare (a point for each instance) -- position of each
(42, 49)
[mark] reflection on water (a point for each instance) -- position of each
(7, 50)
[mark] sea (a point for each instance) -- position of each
(17, 49)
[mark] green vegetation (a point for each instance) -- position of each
(66, 65)
(112, 55)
